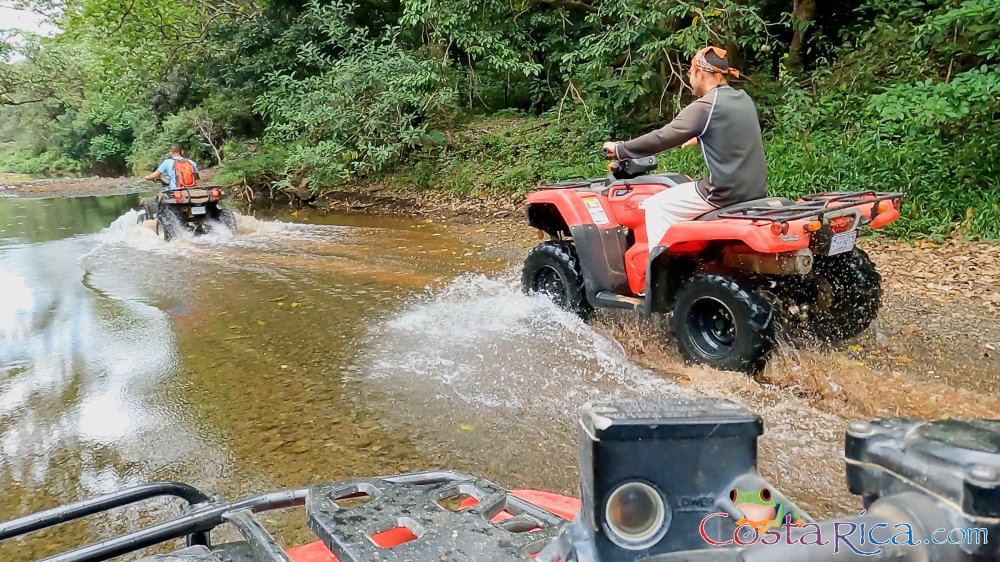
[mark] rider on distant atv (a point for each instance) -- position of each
(181, 171)
(724, 120)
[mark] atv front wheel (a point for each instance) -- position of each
(723, 323)
(848, 292)
(553, 269)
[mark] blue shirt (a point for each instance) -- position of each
(167, 168)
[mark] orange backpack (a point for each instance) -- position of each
(184, 170)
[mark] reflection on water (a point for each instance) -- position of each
(126, 359)
(15, 306)
(280, 355)
(42, 220)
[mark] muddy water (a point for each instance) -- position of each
(295, 350)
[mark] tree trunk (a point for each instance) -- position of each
(733, 51)
(803, 15)
(735, 55)
(207, 129)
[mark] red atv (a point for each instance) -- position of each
(724, 277)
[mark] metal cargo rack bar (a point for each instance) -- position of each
(811, 206)
(573, 182)
(193, 526)
(202, 187)
(407, 500)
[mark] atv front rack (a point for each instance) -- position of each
(813, 206)
(499, 526)
(575, 182)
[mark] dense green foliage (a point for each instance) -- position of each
(481, 95)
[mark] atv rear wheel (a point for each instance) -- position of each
(553, 269)
(228, 218)
(167, 225)
(848, 293)
(723, 323)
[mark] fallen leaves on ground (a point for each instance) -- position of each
(941, 272)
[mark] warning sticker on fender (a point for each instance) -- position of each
(596, 210)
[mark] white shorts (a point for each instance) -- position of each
(673, 205)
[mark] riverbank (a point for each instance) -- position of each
(18, 185)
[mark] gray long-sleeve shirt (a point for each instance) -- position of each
(725, 123)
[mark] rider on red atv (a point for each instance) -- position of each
(181, 202)
(732, 259)
(724, 120)
(181, 171)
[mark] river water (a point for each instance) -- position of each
(290, 352)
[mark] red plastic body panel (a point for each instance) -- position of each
(685, 238)
(312, 552)
(884, 218)
(571, 205)
(557, 504)
(693, 236)
(563, 506)
(622, 210)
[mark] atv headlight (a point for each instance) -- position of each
(635, 515)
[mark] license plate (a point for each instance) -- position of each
(843, 242)
(197, 210)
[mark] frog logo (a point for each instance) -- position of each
(761, 510)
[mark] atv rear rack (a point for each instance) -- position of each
(813, 206)
(414, 501)
(200, 187)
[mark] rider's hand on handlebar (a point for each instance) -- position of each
(692, 142)
(609, 149)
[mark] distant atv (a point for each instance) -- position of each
(724, 277)
(189, 208)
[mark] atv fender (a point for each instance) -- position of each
(558, 209)
(599, 240)
(694, 236)
(601, 253)
(547, 218)
(665, 274)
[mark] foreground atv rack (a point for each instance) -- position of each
(399, 509)
(659, 482)
(813, 206)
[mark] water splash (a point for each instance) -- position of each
(126, 229)
(250, 233)
(484, 342)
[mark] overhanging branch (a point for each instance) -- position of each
(8, 101)
(572, 4)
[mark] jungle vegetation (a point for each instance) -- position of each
(479, 95)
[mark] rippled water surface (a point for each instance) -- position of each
(289, 352)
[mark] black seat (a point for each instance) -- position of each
(764, 202)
